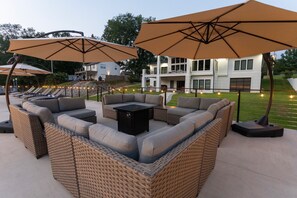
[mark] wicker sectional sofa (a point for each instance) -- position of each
(28, 120)
(109, 102)
(98, 161)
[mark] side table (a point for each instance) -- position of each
(160, 113)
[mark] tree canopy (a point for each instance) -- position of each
(123, 29)
(287, 64)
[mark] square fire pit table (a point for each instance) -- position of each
(133, 119)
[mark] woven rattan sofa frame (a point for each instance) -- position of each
(102, 172)
(28, 127)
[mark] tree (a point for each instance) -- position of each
(123, 29)
(287, 63)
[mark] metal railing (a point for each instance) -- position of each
(249, 106)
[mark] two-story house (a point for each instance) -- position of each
(206, 75)
(96, 70)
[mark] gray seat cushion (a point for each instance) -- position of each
(180, 111)
(44, 114)
(118, 141)
(153, 99)
(76, 125)
(51, 104)
(200, 120)
(191, 103)
(190, 115)
(67, 104)
(128, 97)
(78, 113)
(157, 145)
(113, 99)
(139, 98)
(206, 102)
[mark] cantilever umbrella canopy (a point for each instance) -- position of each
(16, 73)
(74, 49)
(234, 31)
(22, 68)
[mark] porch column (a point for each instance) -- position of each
(143, 82)
(158, 85)
(188, 77)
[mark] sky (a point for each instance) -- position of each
(91, 16)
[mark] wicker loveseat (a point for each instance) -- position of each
(109, 102)
(88, 168)
(28, 120)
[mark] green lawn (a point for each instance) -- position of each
(253, 105)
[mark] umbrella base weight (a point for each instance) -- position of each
(6, 127)
(252, 129)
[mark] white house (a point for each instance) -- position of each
(206, 75)
(95, 70)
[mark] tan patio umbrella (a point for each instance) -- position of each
(23, 68)
(234, 31)
(15, 73)
(74, 49)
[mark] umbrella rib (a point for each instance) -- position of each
(227, 29)
(227, 12)
(178, 41)
(226, 42)
(164, 35)
(197, 30)
(72, 46)
(104, 45)
(65, 46)
(258, 36)
(33, 46)
(198, 47)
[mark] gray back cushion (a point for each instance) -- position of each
(206, 102)
(51, 104)
(80, 127)
(44, 114)
(213, 109)
(153, 99)
(192, 103)
(118, 141)
(128, 97)
(155, 146)
(139, 98)
(113, 99)
(201, 119)
(67, 104)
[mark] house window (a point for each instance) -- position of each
(243, 64)
(250, 64)
(242, 84)
(195, 84)
(202, 84)
(115, 68)
(178, 64)
(201, 65)
(103, 67)
(163, 70)
(155, 70)
(171, 84)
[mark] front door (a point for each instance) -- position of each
(180, 85)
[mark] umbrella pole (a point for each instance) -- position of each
(264, 120)
(8, 79)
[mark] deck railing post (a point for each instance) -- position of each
(65, 91)
(87, 93)
(71, 92)
(78, 92)
(196, 92)
(97, 93)
(238, 105)
(165, 97)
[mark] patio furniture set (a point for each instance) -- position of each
(94, 160)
